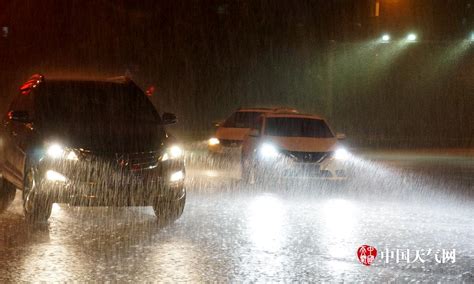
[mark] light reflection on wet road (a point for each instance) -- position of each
(232, 232)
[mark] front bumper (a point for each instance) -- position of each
(100, 184)
(228, 147)
(329, 169)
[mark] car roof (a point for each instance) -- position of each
(267, 109)
(37, 79)
(254, 110)
(293, 115)
(86, 81)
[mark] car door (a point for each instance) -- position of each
(16, 136)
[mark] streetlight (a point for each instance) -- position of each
(411, 37)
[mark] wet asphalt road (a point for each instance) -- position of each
(291, 230)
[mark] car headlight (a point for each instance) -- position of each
(213, 141)
(57, 151)
(268, 151)
(177, 176)
(173, 152)
(341, 154)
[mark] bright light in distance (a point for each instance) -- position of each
(385, 37)
(341, 154)
(268, 151)
(55, 176)
(213, 141)
(411, 37)
(55, 151)
(177, 176)
(472, 37)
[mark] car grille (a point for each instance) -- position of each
(120, 168)
(230, 143)
(308, 157)
(138, 161)
(129, 161)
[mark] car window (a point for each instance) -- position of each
(98, 103)
(297, 127)
(98, 115)
(243, 119)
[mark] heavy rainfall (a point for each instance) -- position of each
(237, 141)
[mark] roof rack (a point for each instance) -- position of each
(119, 79)
(266, 108)
(285, 110)
(273, 109)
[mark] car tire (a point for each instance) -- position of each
(169, 211)
(37, 206)
(7, 194)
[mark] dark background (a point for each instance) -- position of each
(206, 58)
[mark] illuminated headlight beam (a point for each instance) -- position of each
(213, 141)
(411, 37)
(57, 151)
(341, 154)
(177, 176)
(268, 151)
(173, 152)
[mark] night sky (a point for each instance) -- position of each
(206, 58)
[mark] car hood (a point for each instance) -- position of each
(125, 140)
(231, 133)
(304, 144)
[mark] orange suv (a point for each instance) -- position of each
(230, 134)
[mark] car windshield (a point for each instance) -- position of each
(98, 102)
(243, 119)
(97, 115)
(297, 127)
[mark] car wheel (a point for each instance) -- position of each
(36, 205)
(169, 211)
(7, 194)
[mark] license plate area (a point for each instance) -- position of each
(304, 169)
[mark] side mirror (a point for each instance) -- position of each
(341, 136)
(168, 118)
(254, 133)
(19, 116)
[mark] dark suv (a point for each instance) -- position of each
(89, 143)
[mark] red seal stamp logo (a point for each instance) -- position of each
(366, 254)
